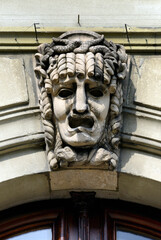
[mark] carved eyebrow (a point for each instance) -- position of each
(62, 84)
(94, 82)
(93, 79)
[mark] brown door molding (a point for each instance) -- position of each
(81, 217)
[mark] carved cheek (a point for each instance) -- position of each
(61, 109)
(99, 107)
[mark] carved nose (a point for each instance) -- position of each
(80, 105)
(80, 110)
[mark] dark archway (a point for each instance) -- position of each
(82, 217)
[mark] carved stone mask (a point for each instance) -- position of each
(80, 78)
(80, 107)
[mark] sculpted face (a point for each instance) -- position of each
(81, 73)
(81, 107)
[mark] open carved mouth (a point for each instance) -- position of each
(86, 122)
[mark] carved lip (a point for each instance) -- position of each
(83, 122)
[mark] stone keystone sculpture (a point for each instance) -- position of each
(80, 76)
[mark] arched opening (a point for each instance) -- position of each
(83, 217)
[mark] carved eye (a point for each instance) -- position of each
(65, 93)
(96, 92)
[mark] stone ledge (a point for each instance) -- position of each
(141, 143)
(20, 126)
(142, 111)
(26, 41)
(140, 126)
(18, 112)
(22, 142)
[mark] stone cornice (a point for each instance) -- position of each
(134, 39)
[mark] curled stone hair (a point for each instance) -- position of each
(98, 58)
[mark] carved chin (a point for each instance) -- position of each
(80, 139)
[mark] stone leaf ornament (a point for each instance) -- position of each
(80, 76)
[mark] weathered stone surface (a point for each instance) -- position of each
(83, 179)
(143, 126)
(12, 82)
(20, 163)
(147, 77)
(139, 173)
(139, 190)
(92, 13)
(24, 189)
(141, 164)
